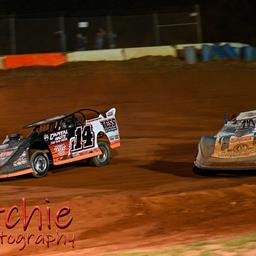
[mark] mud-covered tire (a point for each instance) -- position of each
(198, 171)
(203, 172)
(104, 158)
(39, 163)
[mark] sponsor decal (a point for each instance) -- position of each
(245, 149)
(57, 137)
(241, 139)
(60, 149)
(76, 154)
(84, 152)
(22, 160)
(46, 137)
(5, 154)
(109, 125)
(110, 113)
(113, 138)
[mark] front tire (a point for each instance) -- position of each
(203, 172)
(40, 164)
(104, 158)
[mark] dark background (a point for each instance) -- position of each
(222, 20)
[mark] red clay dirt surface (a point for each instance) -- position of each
(149, 195)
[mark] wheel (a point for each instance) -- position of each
(197, 171)
(104, 158)
(40, 163)
(202, 172)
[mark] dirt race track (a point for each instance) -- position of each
(148, 196)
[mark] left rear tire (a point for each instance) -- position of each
(40, 163)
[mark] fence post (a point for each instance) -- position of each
(63, 44)
(198, 21)
(156, 28)
(109, 22)
(12, 34)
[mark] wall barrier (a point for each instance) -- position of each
(121, 54)
(206, 53)
(248, 53)
(96, 55)
(200, 46)
(216, 51)
(54, 59)
(138, 52)
(2, 62)
(27, 60)
(190, 55)
(190, 52)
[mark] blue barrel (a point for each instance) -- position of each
(190, 55)
(230, 51)
(218, 52)
(238, 52)
(248, 53)
(206, 52)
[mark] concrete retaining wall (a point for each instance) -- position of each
(121, 54)
(131, 53)
(54, 59)
(96, 55)
(136, 52)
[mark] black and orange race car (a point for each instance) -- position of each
(83, 134)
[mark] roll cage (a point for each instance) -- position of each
(64, 121)
(245, 124)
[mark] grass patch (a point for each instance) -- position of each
(161, 252)
(209, 253)
(198, 245)
(240, 242)
(203, 248)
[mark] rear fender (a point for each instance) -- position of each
(107, 125)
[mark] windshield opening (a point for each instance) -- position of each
(245, 124)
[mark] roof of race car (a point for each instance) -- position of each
(59, 117)
(246, 115)
(45, 121)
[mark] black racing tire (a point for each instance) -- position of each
(40, 163)
(204, 172)
(104, 158)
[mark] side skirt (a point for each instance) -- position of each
(18, 173)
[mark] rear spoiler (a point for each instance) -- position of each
(111, 112)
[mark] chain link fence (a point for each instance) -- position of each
(65, 34)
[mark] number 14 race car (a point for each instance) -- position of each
(84, 134)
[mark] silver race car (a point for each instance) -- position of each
(233, 148)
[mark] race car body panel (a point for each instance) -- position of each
(79, 141)
(14, 156)
(65, 138)
(234, 146)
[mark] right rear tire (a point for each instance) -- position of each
(104, 158)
